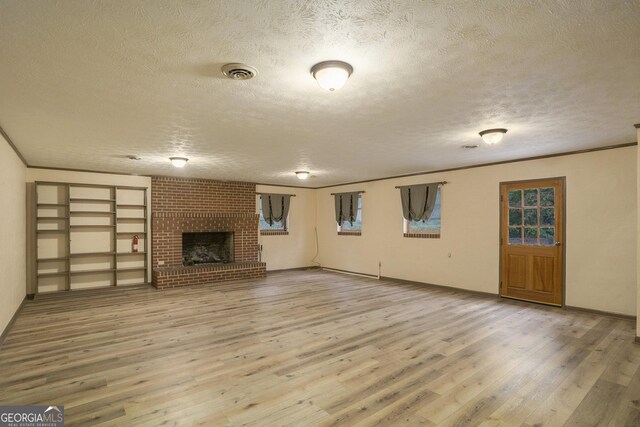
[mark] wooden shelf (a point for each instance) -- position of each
(54, 274)
(90, 213)
(76, 200)
(62, 258)
(90, 254)
(97, 270)
(85, 226)
(95, 203)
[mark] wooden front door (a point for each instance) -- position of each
(531, 240)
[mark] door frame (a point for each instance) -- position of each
(564, 238)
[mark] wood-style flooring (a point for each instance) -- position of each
(308, 348)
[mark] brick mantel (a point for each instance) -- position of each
(182, 205)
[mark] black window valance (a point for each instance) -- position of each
(346, 205)
(418, 201)
(275, 207)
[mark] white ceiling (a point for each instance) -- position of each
(85, 83)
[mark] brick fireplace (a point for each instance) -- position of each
(188, 206)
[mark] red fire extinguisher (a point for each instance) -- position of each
(135, 244)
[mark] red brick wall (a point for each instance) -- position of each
(202, 195)
(182, 205)
(176, 277)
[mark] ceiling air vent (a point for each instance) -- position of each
(239, 71)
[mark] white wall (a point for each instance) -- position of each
(53, 175)
(298, 248)
(13, 236)
(601, 233)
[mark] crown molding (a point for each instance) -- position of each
(12, 145)
(482, 165)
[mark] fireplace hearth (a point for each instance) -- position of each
(207, 248)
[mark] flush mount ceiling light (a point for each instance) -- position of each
(178, 162)
(302, 174)
(236, 71)
(331, 75)
(493, 136)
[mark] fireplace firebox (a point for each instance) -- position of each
(207, 248)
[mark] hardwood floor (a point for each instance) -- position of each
(316, 348)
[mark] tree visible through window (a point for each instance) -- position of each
(356, 226)
(430, 226)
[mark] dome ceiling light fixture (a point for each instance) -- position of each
(237, 71)
(331, 75)
(178, 162)
(302, 174)
(493, 136)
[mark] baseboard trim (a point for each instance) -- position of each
(11, 322)
(311, 267)
(600, 312)
(489, 294)
(444, 287)
(354, 273)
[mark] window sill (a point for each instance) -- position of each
(422, 235)
(349, 233)
(274, 232)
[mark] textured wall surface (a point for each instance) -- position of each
(103, 79)
(296, 248)
(191, 206)
(13, 217)
(600, 239)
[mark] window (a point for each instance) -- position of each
(429, 228)
(280, 227)
(532, 217)
(354, 228)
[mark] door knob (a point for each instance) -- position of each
(556, 244)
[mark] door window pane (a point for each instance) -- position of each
(530, 236)
(547, 216)
(531, 217)
(515, 198)
(515, 216)
(531, 197)
(515, 235)
(547, 197)
(547, 237)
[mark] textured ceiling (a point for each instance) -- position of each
(85, 83)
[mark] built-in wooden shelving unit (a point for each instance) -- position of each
(84, 235)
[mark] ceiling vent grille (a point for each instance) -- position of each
(239, 71)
